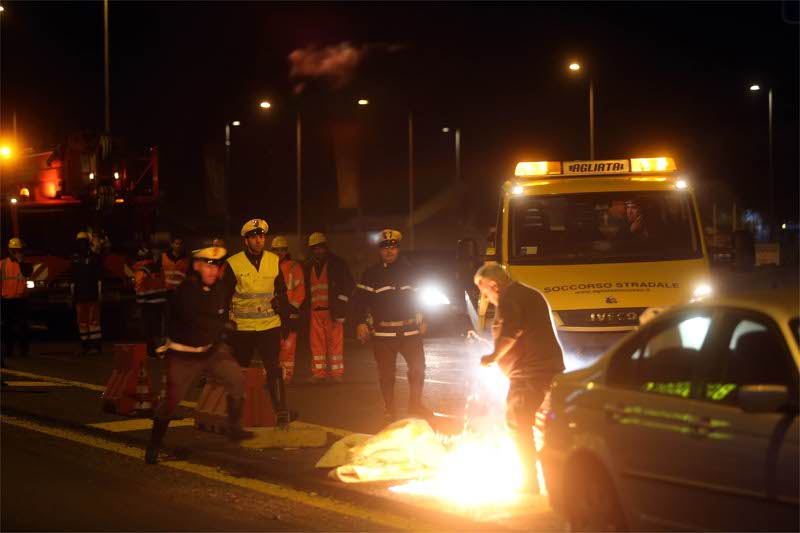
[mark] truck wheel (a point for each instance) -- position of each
(590, 500)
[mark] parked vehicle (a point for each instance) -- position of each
(690, 422)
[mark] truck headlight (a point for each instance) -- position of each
(433, 297)
(702, 291)
(30, 284)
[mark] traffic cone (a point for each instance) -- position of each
(120, 395)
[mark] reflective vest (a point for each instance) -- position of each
(251, 305)
(295, 284)
(149, 285)
(319, 288)
(174, 271)
(14, 283)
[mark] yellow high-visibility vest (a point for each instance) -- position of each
(251, 305)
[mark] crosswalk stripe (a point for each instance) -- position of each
(333, 431)
(137, 424)
(35, 384)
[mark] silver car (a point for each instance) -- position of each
(690, 422)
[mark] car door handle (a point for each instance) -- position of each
(702, 426)
(614, 411)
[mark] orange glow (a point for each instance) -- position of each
(5, 152)
(119, 201)
(648, 179)
(537, 168)
(25, 192)
(49, 189)
(651, 164)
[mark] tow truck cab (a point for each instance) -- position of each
(604, 242)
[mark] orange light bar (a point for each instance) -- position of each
(119, 201)
(24, 192)
(653, 164)
(538, 168)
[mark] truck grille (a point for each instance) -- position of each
(598, 318)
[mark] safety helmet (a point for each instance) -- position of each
(82, 235)
(15, 244)
(389, 237)
(280, 242)
(255, 226)
(213, 254)
(317, 238)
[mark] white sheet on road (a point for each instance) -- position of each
(407, 449)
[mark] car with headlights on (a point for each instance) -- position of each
(440, 289)
(690, 422)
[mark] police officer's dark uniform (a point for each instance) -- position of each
(196, 343)
(387, 293)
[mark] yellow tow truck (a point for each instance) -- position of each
(606, 242)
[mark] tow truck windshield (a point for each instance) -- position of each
(607, 227)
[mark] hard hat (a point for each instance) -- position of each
(280, 242)
(212, 255)
(255, 226)
(317, 238)
(390, 236)
(82, 235)
(15, 244)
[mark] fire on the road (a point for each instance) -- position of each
(481, 465)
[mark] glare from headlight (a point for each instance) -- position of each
(432, 297)
(30, 284)
(702, 291)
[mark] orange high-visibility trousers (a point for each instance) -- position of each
(327, 345)
(89, 321)
(288, 348)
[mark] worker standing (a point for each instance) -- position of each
(258, 305)
(196, 343)
(526, 349)
(296, 294)
(86, 289)
(174, 263)
(330, 285)
(151, 297)
(387, 292)
(14, 312)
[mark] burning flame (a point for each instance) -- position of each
(481, 465)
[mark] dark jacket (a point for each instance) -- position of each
(87, 270)
(389, 294)
(340, 285)
(196, 316)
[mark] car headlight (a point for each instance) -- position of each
(30, 284)
(432, 297)
(702, 291)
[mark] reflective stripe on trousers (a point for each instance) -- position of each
(327, 343)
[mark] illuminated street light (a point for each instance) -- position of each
(91, 175)
(575, 67)
(783, 226)
(265, 105)
(445, 130)
(363, 102)
(13, 200)
(772, 216)
(116, 175)
(236, 123)
(457, 139)
(5, 151)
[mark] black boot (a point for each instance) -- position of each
(156, 438)
(415, 406)
(277, 393)
(387, 391)
(234, 428)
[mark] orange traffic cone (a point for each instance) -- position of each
(144, 396)
(129, 383)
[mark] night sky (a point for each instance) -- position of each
(670, 78)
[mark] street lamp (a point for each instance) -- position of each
(265, 105)
(410, 174)
(457, 140)
(772, 218)
(576, 67)
(228, 126)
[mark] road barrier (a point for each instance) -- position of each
(211, 412)
(128, 390)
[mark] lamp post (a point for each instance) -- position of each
(233, 123)
(772, 215)
(457, 140)
(576, 67)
